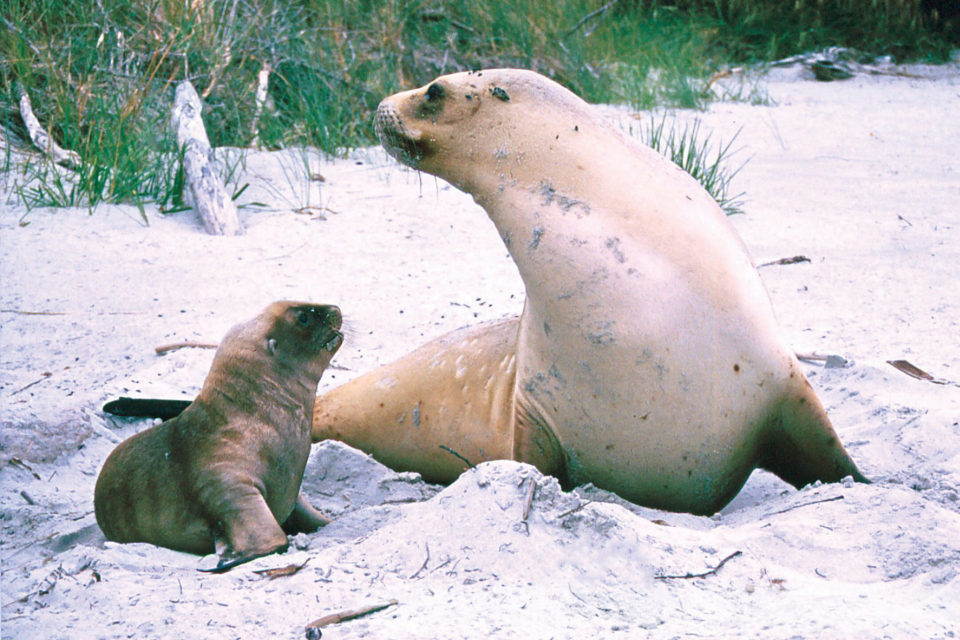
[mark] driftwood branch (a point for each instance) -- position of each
(705, 573)
(260, 99)
(206, 190)
(42, 140)
(343, 616)
(167, 348)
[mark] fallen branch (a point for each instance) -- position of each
(207, 194)
(281, 572)
(42, 140)
(705, 573)
(805, 504)
(343, 616)
(167, 348)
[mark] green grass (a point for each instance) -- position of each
(102, 74)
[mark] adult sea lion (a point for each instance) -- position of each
(647, 359)
(224, 473)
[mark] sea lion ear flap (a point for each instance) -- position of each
(271, 346)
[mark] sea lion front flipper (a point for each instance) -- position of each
(304, 518)
(249, 527)
(801, 445)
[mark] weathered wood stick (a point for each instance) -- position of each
(42, 140)
(263, 82)
(209, 198)
(343, 616)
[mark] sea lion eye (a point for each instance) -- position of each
(303, 318)
(435, 92)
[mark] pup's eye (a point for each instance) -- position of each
(303, 318)
(434, 92)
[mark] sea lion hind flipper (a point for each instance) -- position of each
(304, 518)
(145, 407)
(802, 447)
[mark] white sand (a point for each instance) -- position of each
(862, 177)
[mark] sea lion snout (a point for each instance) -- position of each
(327, 318)
(398, 141)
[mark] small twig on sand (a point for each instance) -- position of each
(167, 348)
(26, 496)
(705, 573)
(425, 561)
(280, 572)
(805, 504)
(460, 457)
(575, 509)
(33, 313)
(343, 616)
(793, 260)
(46, 374)
(528, 501)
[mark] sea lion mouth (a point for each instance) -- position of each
(334, 342)
(395, 137)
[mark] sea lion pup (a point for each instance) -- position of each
(647, 359)
(224, 473)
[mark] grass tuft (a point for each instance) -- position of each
(101, 75)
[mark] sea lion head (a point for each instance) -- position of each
(469, 125)
(293, 337)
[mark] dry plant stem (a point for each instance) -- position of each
(805, 504)
(425, 562)
(42, 140)
(575, 509)
(350, 614)
(705, 573)
(167, 348)
(209, 198)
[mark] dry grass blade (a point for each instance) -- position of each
(916, 372)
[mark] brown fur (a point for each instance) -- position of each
(226, 472)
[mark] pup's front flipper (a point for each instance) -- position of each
(304, 518)
(250, 531)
